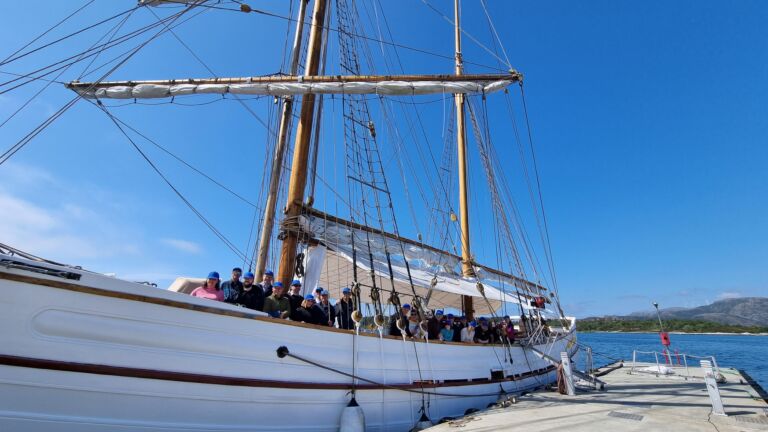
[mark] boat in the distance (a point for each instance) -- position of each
(84, 351)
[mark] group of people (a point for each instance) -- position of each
(316, 308)
(271, 298)
(450, 328)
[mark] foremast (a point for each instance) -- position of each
(461, 134)
(280, 148)
(298, 180)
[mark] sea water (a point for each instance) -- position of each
(746, 352)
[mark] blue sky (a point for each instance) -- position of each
(649, 123)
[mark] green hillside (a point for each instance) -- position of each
(672, 325)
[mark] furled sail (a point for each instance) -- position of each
(337, 240)
(291, 85)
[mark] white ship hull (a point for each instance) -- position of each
(99, 353)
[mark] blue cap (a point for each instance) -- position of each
(268, 273)
(249, 275)
(473, 323)
(346, 290)
(296, 282)
(450, 316)
(319, 289)
(483, 319)
(277, 284)
(439, 312)
(309, 297)
(213, 275)
(324, 292)
(406, 306)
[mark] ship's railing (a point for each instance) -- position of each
(675, 362)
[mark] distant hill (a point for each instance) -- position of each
(746, 311)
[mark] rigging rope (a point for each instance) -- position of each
(90, 53)
(284, 352)
(53, 117)
(13, 57)
(362, 36)
(178, 193)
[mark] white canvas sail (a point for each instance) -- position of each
(385, 88)
(344, 239)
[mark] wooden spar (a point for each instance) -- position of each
(280, 147)
(301, 148)
(461, 134)
(511, 76)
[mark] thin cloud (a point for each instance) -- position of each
(182, 245)
(60, 229)
(729, 295)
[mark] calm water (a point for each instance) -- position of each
(749, 353)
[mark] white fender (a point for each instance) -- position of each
(352, 418)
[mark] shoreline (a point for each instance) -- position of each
(674, 332)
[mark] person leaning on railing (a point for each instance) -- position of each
(277, 305)
(210, 290)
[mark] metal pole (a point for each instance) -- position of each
(634, 360)
(280, 147)
(658, 315)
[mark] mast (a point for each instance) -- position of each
(277, 161)
(301, 148)
(461, 134)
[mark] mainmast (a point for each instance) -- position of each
(301, 148)
(277, 161)
(461, 135)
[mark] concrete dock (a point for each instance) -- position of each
(640, 401)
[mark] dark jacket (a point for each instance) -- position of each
(266, 288)
(295, 305)
(252, 298)
(484, 334)
(457, 326)
(433, 328)
(301, 314)
(393, 330)
(329, 312)
(232, 290)
(343, 312)
(318, 316)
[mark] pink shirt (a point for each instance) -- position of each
(204, 292)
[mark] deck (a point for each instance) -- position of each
(629, 402)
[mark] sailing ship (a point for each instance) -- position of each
(82, 350)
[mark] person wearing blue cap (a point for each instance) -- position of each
(277, 305)
(457, 327)
(434, 325)
(295, 297)
(468, 332)
(403, 313)
(344, 308)
(483, 333)
(266, 282)
(446, 333)
(327, 308)
(305, 311)
(233, 287)
(210, 290)
(252, 296)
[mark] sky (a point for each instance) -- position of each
(648, 122)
